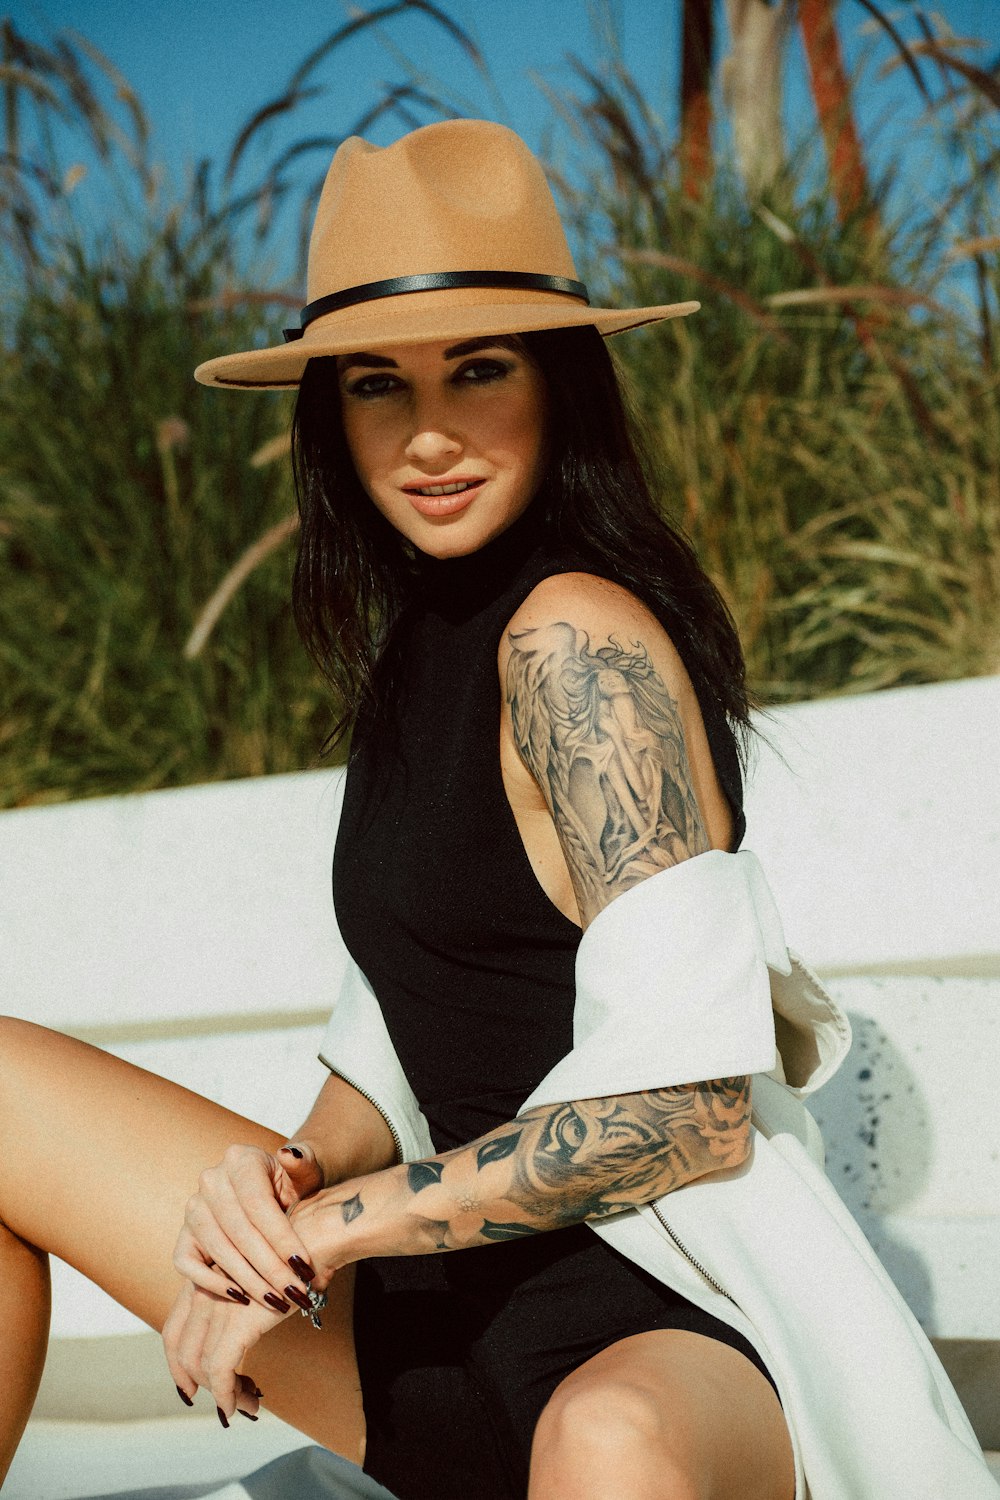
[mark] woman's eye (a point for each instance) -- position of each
(370, 386)
(480, 371)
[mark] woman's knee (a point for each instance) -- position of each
(17, 1030)
(21, 1042)
(590, 1426)
(583, 1409)
(20, 1038)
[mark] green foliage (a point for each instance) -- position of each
(835, 455)
(126, 492)
(839, 474)
(825, 429)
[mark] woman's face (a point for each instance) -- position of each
(466, 418)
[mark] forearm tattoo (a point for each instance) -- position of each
(601, 735)
(564, 1163)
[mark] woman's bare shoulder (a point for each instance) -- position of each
(603, 717)
(567, 611)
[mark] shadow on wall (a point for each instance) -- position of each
(878, 1131)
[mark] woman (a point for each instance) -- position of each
(547, 689)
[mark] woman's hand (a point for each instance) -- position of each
(237, 1242)
(206, 1339)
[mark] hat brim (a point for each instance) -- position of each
(420, 318)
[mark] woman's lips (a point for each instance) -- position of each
(444, 505)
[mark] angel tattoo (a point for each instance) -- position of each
(602, 736)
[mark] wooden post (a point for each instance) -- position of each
(696, 97)
(831, 91)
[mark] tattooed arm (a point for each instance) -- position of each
(554, 1166)
(600, 737)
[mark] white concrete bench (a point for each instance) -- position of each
(183, 928)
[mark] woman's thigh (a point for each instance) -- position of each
(98, 1160)
(668, 1415)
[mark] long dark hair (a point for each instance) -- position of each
(354, 574)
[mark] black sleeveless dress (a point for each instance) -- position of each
(474, 970)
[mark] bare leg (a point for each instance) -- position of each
(98, 1161)
(663, 1416)
(24, 1319)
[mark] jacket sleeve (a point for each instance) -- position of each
(356, 1045)
(686, 977)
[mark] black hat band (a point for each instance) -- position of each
(435, 281)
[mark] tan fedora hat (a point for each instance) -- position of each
(452, 232)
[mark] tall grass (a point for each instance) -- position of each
(125, 492)
(827, 429)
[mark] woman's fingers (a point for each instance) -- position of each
(241, 1253)
(206, 1340)
(249, 1396)
(170, 1334)
(189, 1262)
(222, 1357)
(235, 1221)
(227, 1340)
(301, 1172)
(183, 1335)
(249, 1199)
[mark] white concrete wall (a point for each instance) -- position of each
(877, 819)
(162, 924)
(124, 913)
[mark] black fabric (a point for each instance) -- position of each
(474, 969)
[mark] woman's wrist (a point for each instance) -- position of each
(358, 1219)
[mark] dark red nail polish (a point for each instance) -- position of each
(299, 1298)
(184, 1396)
(273, 1300)
(246, 1414)
(301, 1268)
(294, 1151)
(222, 1416)
(258, 1393)
(237, 1295)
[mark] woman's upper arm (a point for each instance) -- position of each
(602, 713)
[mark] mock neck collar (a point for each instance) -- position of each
(479, 577)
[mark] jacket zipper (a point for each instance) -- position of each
(376, 1105)
(690, 1258)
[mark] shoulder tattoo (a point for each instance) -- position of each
(602, 737)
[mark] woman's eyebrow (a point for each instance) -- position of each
(368, 361)
(471, 346)
(454, 351)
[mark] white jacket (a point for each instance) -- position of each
(710, 990)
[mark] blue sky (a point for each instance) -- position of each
(201, 67)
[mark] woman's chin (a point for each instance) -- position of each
(462, 534)
(447, 543)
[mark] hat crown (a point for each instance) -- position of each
(450, 233)
(459, 195)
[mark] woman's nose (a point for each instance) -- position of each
(429, 445)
